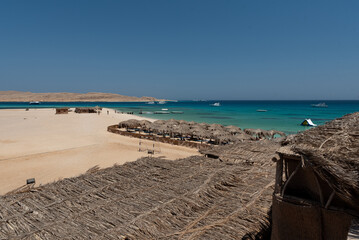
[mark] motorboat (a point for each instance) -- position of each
(34, 103)
(217, 104)
(164, 109)
(161, 102)
(261, 110)
(151, 103)
(308, 122)
(161, 112)
(320, 105)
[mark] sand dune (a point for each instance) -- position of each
(37, 143)
(16, 96)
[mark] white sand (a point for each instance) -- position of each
(39, 144)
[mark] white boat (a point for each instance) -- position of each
(161, 112)
(261, 110)
(217, 104)
(308, 122)
(34, 102)
(151, 103)
(164, 109)
(177, 112)
(161, 102)
(320, 105)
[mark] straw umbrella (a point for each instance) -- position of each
(215, 127)
(258, 133)
(184, 130)
(145, 125)
(242, 137)
(233, 129)
(226, 138)
(204, 125)
(131, 123)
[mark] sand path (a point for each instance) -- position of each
(39, 144)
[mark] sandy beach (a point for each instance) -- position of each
(39, 144)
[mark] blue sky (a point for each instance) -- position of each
(182, 49)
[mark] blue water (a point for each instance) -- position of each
(281, 115)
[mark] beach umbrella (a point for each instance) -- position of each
(226, 138)
(242, 136)
(145, 124)
(182, 122)
(258, 133)
(131, 123)
(204, 125)
(159, 122)
(215, 127)
(172, 122)
(162, 129)
(216, 133)
(184, 130)
(191, 123)
(233, 129)
(199, 131)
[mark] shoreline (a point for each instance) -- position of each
(39, 144)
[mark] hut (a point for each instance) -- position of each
(86, 110)
(317, 182)
(62, 110)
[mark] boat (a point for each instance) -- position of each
(161, 102)
(217, 104)
(320, 105)
(161, 112)
(308, 122)
(261, 110)
(164, 109)
(34, 103)
(151, 103)
(177, 112)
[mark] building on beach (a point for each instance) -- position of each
(317, 182)
(62, 110)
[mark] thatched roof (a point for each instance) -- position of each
(191, 198)
(131, 123)
(333, 152)
(260, 133)
(217, 132)
(86, 110)
(248, 152)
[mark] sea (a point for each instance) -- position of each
(285, 116)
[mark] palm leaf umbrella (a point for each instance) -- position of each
(204, 125)
(233, 129)
(215, 127)
(258, 133)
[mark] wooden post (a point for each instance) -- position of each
(279, 174)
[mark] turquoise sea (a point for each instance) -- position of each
(280, 115)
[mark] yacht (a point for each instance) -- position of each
(217, 104)
(151, 103)
(34, 102)
(161, 102)
(320, 105)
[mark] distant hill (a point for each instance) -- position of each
(16, 96)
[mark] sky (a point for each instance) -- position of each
(185, 49)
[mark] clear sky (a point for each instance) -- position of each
(195, 49)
